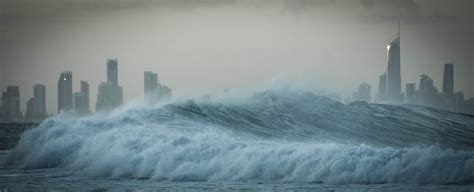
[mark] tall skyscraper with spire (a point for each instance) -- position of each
(394, 84)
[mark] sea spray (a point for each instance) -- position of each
(274, 136)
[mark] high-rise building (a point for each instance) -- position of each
(154, 91)
(85, 91)
(382, 87)
(410, 92)
(363, 93)
(11, 104)
(39, 101)
(150, 86)
(393, 93)
(112, 71)
(110, 93)
(30, 110)
(109, 97)
(80, 103)
(428, 92)
(65, 91)
(458, 102)
(448, 79)
(164, 93)
(468, 106)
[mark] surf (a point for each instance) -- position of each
(270, 136)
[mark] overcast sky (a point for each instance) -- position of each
(205, 46)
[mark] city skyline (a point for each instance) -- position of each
(334, 55)
(111, 96)
(229, 95)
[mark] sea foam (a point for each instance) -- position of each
(199, 141)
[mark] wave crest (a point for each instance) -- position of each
(290, 138)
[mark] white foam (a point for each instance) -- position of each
(127, 145)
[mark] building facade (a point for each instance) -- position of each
(448, 79)
(393, 92)
(154, 91)
(110, 94)
(411, 94)
(382, 87)
(363, 93)
(65, 102)
(39, 95)
(150, 86)
(11, 104)
(112, 71)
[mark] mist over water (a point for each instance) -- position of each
(270, 136)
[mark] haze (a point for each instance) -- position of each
(204, 46)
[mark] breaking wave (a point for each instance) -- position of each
(272, 136)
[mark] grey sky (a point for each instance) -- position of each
(204, 46)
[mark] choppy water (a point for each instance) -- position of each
(272, 140)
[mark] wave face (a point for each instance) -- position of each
(272, 137)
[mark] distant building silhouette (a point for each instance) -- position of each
(458, 102)
(80, 103)
(39, 101)
(81, 99)
(363, 93)
(382, 87)
(164, 93)
(428, 92)
(65, 91)
(110, 93)
(411, 94)
(11, 104)
(86, 93)
(30, 110)
(150, 86)
(154, 91)
(39, 104)
(112, 71)
(448, 79)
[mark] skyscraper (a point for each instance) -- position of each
(154, 91)
(30, 110)
(382, 87)
(164, 92)
(363, 93)
(85, 91)
(428, 92)
(393, 93)
(65, 91)
(112, 71)
(39, 101)
(448, 79)
(110, 93)
(109, 97)
(458, 102)
(410, 92)
(150, 86)
(80, 103)
(11, 103)
(81, 99)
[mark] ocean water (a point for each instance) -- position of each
(272, 140)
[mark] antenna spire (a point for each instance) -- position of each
(398, 28)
